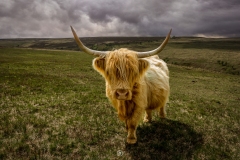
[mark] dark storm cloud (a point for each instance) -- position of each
(44, 18)
(220, 18)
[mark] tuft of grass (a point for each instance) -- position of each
(53, 106)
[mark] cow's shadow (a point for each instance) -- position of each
(165, 139)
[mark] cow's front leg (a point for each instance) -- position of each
(131, 130)
(148, 116)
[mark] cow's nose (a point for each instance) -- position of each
(122, 93)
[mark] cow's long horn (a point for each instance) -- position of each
(84, 48)
(155, 51)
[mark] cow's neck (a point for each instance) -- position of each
(126, 109)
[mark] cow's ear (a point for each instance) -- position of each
(99, 65)
(143, 65)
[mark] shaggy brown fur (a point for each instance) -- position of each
(134, 86)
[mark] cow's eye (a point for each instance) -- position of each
(135, 85)
(118, 73)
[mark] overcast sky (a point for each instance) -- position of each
(92, 18)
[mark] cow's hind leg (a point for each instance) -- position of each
(163, 104)
(162, 112)
(148, 116)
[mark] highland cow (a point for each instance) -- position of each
(136, 82)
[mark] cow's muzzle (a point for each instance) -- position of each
(123, 94)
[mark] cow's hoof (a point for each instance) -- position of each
(147, 120)
(163, 116)
(132, 140)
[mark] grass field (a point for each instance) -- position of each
(219, 55)
(53, 106)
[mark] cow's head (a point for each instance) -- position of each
(121, 68)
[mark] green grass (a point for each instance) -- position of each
(219, 55)
(53, 106)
